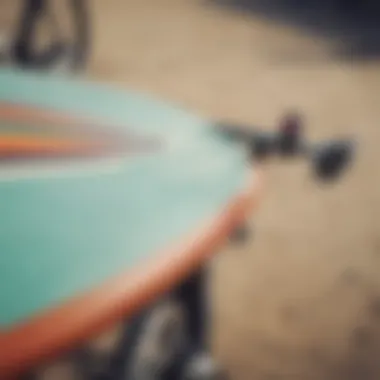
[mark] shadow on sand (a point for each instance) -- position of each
(353, 24)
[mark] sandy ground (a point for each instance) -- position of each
(301, 300)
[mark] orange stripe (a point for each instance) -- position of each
(20, 143)
(26, 113)
(98, 136)
(21, 147)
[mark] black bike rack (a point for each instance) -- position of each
(328, 158)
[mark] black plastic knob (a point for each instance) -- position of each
(331, 158)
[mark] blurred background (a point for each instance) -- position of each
(302, 299)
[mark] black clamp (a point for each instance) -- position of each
(328, 158)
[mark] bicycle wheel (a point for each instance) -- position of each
(42, 43)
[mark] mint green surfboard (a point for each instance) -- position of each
(66, 226)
